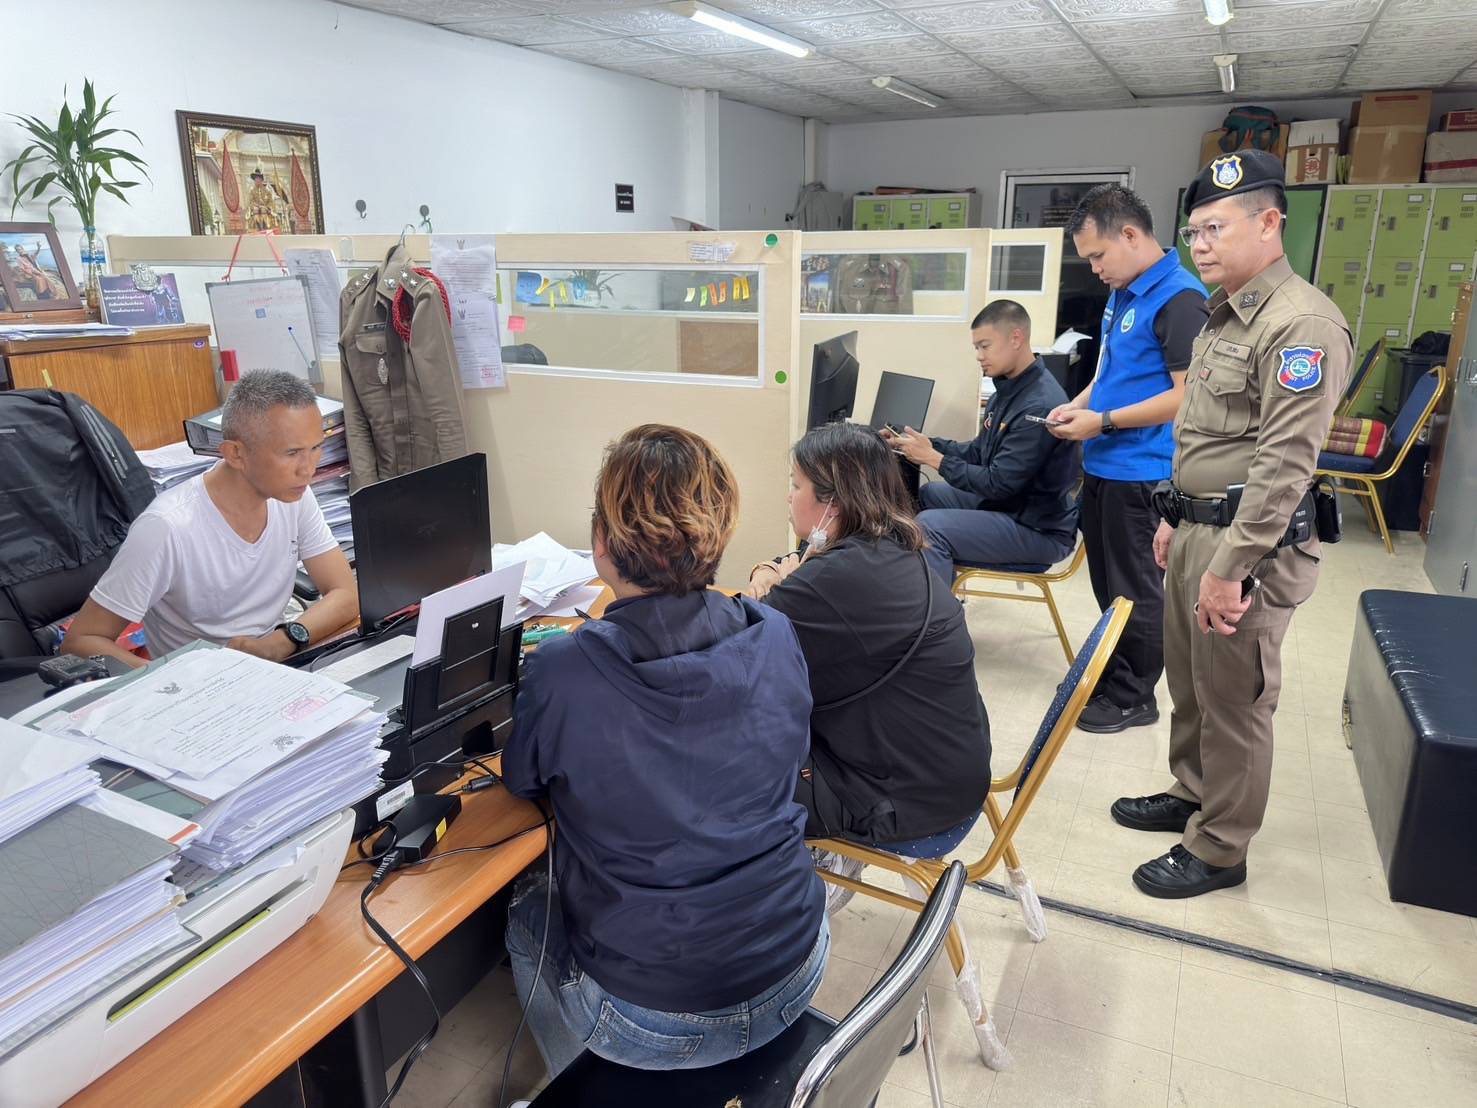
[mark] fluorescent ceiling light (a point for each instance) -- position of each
(902, 88)
(1226, 64)
(1218, 12)
(720, 20)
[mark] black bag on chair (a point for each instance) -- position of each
(70, 486)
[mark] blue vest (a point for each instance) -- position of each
(1131, 368)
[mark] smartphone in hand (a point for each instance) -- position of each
(1044, 420)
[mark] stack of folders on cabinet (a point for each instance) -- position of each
(173, 464)
(147, 790)
(84, 897)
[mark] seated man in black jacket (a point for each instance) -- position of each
(1009, 493)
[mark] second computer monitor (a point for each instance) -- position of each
(420, 533)
(833, 373)
(902, 401)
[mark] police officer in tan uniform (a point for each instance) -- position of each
(1239, 541)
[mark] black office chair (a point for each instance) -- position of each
(816, 1063)
(70, 486)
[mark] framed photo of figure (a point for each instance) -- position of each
(33, 271)
(245, 175)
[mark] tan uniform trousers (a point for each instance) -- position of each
(1225, 689)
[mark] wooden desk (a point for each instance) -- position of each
(148, 383)
(244, 1035)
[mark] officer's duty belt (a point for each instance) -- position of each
(1175, 507)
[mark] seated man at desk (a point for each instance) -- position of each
(1007, 497)
(215, 557)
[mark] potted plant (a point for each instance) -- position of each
(72, 158)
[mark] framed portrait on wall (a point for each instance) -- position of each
(33, 271)
(244, 175)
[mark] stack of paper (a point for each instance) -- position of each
(173, 464)
(84, 900)
(39, 774)
(331, 488)
(269, 750)
(61, 330)
(335, 446)
(553, 575)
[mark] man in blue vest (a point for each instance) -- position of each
(1124, 417)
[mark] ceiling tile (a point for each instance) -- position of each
(787, 11)
(1292, 59)
(985, 16)
(906, 46)
(1425, 9)
(1310, 36)
(1151, 50)
(1076, 10)
(701, 42)
(1453, 32)
(945, 65)
(653, 21)
(1060, 62)
(447, 11)
(1285, 16)
(1045, 37)
(963, 86)
(848, 28)
(541, 31)
(607, 51)
(1139, 30)
(777, 65)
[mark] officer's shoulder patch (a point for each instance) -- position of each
(1301, 369)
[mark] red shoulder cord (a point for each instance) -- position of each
(402, 324)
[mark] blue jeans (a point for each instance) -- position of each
(957, 529)
(569, 1012)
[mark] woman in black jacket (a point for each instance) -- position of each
(899, 737)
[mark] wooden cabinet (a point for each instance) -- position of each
(148, 383)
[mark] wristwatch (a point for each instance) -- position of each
(297, 633)
(1108, 425)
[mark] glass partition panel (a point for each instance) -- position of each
(1018, 267)
(927, 284)
(633, 320)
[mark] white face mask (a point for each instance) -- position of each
(818, 538)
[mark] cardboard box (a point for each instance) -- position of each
(1314, 132)
(1386, 155)
(1451, 156)
(1409, 108)
(1312, 165)
(1460, 121)
(1210, 146)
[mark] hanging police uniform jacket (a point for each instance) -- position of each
(402, 386)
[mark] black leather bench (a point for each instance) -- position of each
(1410, 712)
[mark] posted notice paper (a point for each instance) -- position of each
(467, 266)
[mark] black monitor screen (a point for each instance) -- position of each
(419, 533)
(902, 401)
(833, 370)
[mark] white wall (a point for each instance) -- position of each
(761, 166)
(1161, 144)
(491, 137)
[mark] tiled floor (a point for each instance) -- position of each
(1104, 1015)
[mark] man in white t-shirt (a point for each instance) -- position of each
(215, 558)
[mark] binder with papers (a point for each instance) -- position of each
(39, 774)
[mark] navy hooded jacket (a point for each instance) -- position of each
(668, 737)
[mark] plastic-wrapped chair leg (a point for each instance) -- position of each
(1022, 889)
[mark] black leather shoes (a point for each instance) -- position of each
(1103, 717)
(1160, 812)
(1179, 874)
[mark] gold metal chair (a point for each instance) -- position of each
(922, 874)
(1345, 471)
(966, 575)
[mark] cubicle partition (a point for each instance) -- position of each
(709, 331)
(910, 296)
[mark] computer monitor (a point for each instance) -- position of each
(419, 533)
(902, 401)
(833, 371)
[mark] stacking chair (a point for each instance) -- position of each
(1356, 476)
(816, 1063)
(1040, 577)
(1359, 378)
(922, 863)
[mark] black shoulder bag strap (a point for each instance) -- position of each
(913, 649)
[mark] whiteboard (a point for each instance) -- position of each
(268, 323)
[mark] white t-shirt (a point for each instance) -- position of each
(187, 575)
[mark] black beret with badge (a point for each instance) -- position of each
(1230, 174)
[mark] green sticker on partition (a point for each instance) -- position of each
(771, 239)
(781, 377)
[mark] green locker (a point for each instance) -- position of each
(1342, 281)
(1389, 293)
(1349, 222)
(1441, 279)
(1300, 235)
(869, 214)
(1401, 230)
(1453, 224)
(909, 214)
(950, 213)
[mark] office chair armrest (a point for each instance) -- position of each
(304, 589)
(19, 667)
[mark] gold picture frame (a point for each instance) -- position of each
(246, 175)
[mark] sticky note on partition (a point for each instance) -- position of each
(517, 324)
(703, 301)
(690, 297)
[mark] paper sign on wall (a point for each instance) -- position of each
(467, 266)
